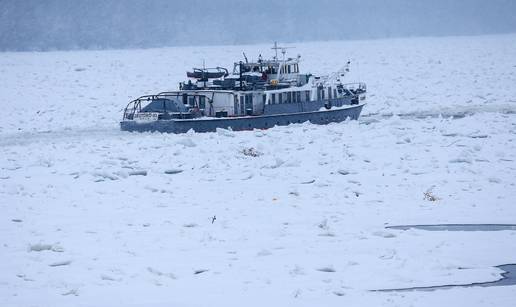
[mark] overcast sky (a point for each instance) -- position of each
(92, 24)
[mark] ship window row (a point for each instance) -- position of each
(327, 93)
(289, 69)
(289, 97)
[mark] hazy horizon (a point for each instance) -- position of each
(64, 25)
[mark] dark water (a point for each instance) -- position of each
(457, 227)
(508, 279)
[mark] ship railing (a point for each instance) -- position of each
(352, 89)
(355, 86)
(135, 106)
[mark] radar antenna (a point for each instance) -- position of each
(283, 50)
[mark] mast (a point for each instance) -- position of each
(276, 50)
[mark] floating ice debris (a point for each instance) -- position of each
(200, 271)
(508, 278)
(328, 269)
(138, 173)
(60, 263)
(39, 247)
(251, 152)
(187, 142)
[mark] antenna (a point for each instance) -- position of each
(245, 57)
(276, 48)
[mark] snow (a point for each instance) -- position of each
(290, 216)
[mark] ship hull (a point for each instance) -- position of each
(336, 114)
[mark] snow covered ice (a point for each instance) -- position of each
(290, 216)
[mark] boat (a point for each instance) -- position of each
(257, 95)
(207, 73)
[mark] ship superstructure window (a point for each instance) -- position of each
(235, 105)
(273, 98)
(307, 95)
(298, 95)
(191, 101)
(248, 104)
(202, 102)
(289, 96)
(329, 92)
(280, 100)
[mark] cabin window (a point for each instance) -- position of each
(191, 101)
(298, 95)
(242, 106)
(307, 95)
(289, 97)
(329, 92)
(202, 102)
(288, 68)
(264, 98)
(335, 93)
(273, 98)
(185, 98)
(294, 97)
(280, 100)
(322, 94)
(318, 94)
(248, 104)
(235, 105)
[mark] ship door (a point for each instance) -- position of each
(249, 104)
(242, 105)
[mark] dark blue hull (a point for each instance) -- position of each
(333, 115)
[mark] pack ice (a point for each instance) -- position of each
(289, 216)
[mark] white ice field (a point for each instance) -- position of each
(91, 216)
